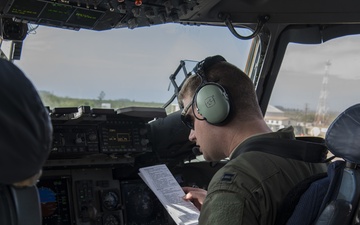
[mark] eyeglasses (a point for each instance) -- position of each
(186, 118)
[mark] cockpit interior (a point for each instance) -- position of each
(91, 176)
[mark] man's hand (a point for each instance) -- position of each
(195, 195)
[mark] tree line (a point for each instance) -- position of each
(52, 101)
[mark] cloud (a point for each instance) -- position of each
(341, 53)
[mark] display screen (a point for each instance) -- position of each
(142, 207)
(26, 8)
(124, 135)
(85, 18)
(55, 200)
(56, 13)
(117, 139)
(116, 136)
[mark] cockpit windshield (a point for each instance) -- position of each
(119, 68)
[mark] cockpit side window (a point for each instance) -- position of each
(314, 85)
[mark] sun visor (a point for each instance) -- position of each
(170, 137)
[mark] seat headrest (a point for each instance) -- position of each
(19, 206)
(343, 135)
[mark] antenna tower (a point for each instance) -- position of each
(321, 107)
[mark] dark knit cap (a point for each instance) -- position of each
(25, 126)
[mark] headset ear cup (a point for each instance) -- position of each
(213, 103)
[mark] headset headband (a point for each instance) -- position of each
(205, 64)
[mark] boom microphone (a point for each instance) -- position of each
(196, 150)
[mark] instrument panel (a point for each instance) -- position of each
(78, 185)
(79, 133)
(91, 175)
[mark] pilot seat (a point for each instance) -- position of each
(333, 199)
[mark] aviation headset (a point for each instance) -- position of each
(210, 98)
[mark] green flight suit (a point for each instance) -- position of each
(250, 188)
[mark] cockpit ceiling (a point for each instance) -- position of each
(112, 14)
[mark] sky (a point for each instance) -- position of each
(123, 63)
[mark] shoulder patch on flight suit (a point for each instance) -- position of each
(228, 177)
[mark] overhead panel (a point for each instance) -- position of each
(97, 14)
